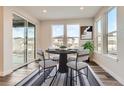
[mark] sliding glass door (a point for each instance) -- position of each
(30, 42)
(18, 41)
(23, 41)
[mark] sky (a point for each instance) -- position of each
(72, 30)
(112, 20)
(99, 26)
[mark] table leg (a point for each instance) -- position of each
(62, 63)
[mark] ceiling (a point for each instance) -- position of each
(61, 12)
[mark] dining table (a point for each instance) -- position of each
(62, 57)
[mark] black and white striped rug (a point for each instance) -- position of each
(62, 79)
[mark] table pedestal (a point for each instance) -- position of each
(62, 63)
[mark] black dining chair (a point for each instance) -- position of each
(53, 57)
(71, 57)
(46, 64)
(78, 65)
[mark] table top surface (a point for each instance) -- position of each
(58, 51)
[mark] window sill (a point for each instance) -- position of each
(114, 58)
(111, 56)
(98, 52)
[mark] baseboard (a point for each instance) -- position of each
(121, 81)
(3, 74)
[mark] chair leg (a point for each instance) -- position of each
(87, 72)
(39, 70)
(56, 70)
(49, 69)
(54, 77)
(76, 77)
(67, 77)
(44, 75)
(70, 77)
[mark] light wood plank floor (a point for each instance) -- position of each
(106, 78)
(18, 75)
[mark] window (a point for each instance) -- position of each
(99, 35)
(57, 35)
(112, 31)
(69, 38)
(73, 32)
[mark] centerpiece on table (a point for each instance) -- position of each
(62, 47)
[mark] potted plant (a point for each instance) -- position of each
(89, 46)
(62, 47)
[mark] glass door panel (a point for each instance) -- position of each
(18, 41)
(30, 42)
(23, 41)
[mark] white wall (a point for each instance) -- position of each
(1, 39)
(112, 65)
(7, 36)
(45, 33)
(7, 41)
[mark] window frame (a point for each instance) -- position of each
(52, 33)
(99, 19)
(65, 37)
(107, 33)
(74, 37)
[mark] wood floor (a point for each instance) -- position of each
(106, 78)
(20, 74)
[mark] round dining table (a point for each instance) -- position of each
(62, 58)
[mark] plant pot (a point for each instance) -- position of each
(90, 59)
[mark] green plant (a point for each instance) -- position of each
(90, 46)
(62, 46)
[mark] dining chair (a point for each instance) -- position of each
(46, 64)
(84, 55)
(72, 57)
(78, 65)
(53, 57)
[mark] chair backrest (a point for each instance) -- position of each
(41, 55)
(82, 55)
(49, 55)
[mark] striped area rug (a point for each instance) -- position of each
(64, 79)
(61, 79)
